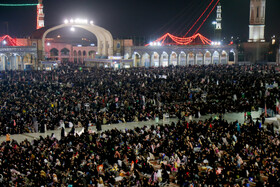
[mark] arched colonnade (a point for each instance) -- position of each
(156, 58)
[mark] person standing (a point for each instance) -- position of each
(8, 138)
(98, 125)
(62, 134)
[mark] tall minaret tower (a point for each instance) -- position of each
(257, 21)
(40, 14)
(218, 28)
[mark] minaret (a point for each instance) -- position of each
(40, 14)
(257, 21)
(218, 28)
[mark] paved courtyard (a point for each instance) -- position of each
(231, 117)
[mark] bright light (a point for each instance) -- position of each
(4, 42)
(155, 44)
(81, 21)
(92, 44)
(214, 22)
(78, 21)
(72, 29)
(58, 36)
(216, 43)
(79, 45)
(48, 44)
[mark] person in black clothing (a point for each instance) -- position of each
(62, 134)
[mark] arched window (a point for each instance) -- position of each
(54, 52)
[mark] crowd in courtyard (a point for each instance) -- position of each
(34, 101)
(211, 152)
(205, 153)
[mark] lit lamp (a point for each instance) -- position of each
(4, 42)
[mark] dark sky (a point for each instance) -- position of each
(150, 18)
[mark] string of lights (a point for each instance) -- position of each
(196, 38)
(199, 18)
(207, 16)
(18, 5)
(10, 41)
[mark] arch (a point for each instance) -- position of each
(28, 58)
(126, 56)
(80, 57)
(146, 60)
(65, 52)
(191, 58)
(136, 59)
(182, 59)
(15, 61)
(173, 59)
(91, 54)
(224, 57)
(164, 59)
(216, 57)
(104, 37)
(155, 59)
(84, 53)
(54, 52)
(232, 56)
(3, 61)
(75, 56)
(207, 58)
(199, 58)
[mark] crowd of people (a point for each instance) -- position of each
(33, 101)
(205, 153)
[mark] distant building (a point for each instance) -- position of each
(218, 23)
(16, 53)
(256, 49)
(257, 21)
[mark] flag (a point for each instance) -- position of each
(100, 168)
(132, 166)
(76, 155)
(265, 110)
(15, 123)
(277, 106)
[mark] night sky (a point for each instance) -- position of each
(150, 18)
